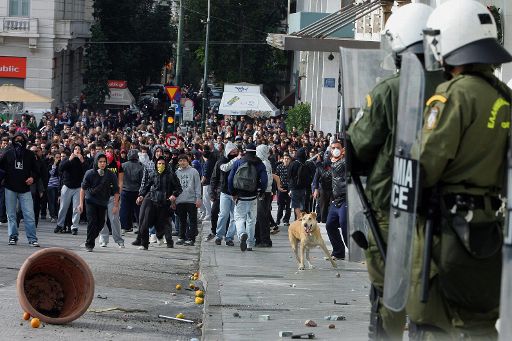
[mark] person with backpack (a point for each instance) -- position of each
(246, 180)
(300, 179)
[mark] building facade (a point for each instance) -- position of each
(42, 46)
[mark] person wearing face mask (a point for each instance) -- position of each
(97, 187)
(113, 166)
(337, 214)
(157, 193)
(21, 171)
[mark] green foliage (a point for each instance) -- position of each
(97, 68)
(135, 21)
(236, 21)
(299, 117)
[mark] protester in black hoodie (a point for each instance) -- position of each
(20, 171)
(159, 191)
(97, 186)
(72, 171)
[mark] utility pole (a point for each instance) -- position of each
(205, 76)
(179, 49)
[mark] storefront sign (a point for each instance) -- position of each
(13, 67)
(117, 84)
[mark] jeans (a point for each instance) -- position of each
(283, 204)
(207, 204)
(336, 219)
(215, 215)
(227, 211)
(53, 193)
(27, 207)
(184, 211)
(66, 196)
(95, 222)
(114, 223)
(128, 207)
(245, 219)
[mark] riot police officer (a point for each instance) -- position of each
(372, 137)
(462, 155)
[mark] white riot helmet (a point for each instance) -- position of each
(404, 29)
(462, 32)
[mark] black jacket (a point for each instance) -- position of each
(339, 185)
(18, 167)
(98, 189)
(219, 180)
(159, 187)
(72, 172)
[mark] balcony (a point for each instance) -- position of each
(71, 29)
(18, 27)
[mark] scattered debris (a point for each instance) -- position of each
(199, 325)
(173, 294)
(117, 308)
(335, 318)
(310, 323)
(342, 303)
(264, 317)
(304, 336)
(285, 334)
(175, 318)
(194, 339)
(129, 327)
(101, 296)
(236, 314)
(332, 326)
(338, 275)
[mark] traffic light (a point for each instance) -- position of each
(169, 120)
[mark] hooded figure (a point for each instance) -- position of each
(133, 171)
(99, 184)
(19, 165)
(262, 152)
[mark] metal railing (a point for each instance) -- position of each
(16, 25)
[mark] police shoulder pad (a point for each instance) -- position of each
(436, 98)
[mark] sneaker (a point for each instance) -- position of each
(88, 249)
(161, 242)
(249, 249)
(123, 231)
(209, 237)
(53, 220)
(58, 229)
(74, 232)
(129, 230)
(34, 244)
(136, 242)
(274, 230)
(243, 242)
(175, 234)
(120, 245)
(152, 238)
(13, 241)
(142, 248)
(218, 241)
(103, 244)
(264, 245)
(230, 243)
(286, 223)
(180, 241)
(189, 243)
(68, 230)
(170, 244)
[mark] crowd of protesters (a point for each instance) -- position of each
(167, 191)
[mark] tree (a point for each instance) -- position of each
(246, 22)
(97, 68)
(299, 117)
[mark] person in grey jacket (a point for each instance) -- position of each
(97, 186)
(188, 201)
(133, 171)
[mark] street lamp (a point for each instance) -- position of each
(205, 76)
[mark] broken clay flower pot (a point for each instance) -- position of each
(55, 285)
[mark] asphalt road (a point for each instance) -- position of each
(125, 278)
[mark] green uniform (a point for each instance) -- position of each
(372, 136)
(463, 152)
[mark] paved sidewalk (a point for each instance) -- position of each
(266, 282)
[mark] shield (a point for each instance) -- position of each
(404, 191)
(505, 327)
(360, 71)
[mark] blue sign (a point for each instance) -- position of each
(329, 82)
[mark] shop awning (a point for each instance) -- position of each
(119, 97)
(246, 99)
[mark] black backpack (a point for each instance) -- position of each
(246, 178)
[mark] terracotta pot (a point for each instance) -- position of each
(55, 285)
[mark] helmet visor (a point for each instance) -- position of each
(432, 50)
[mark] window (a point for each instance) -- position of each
(19, 8)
